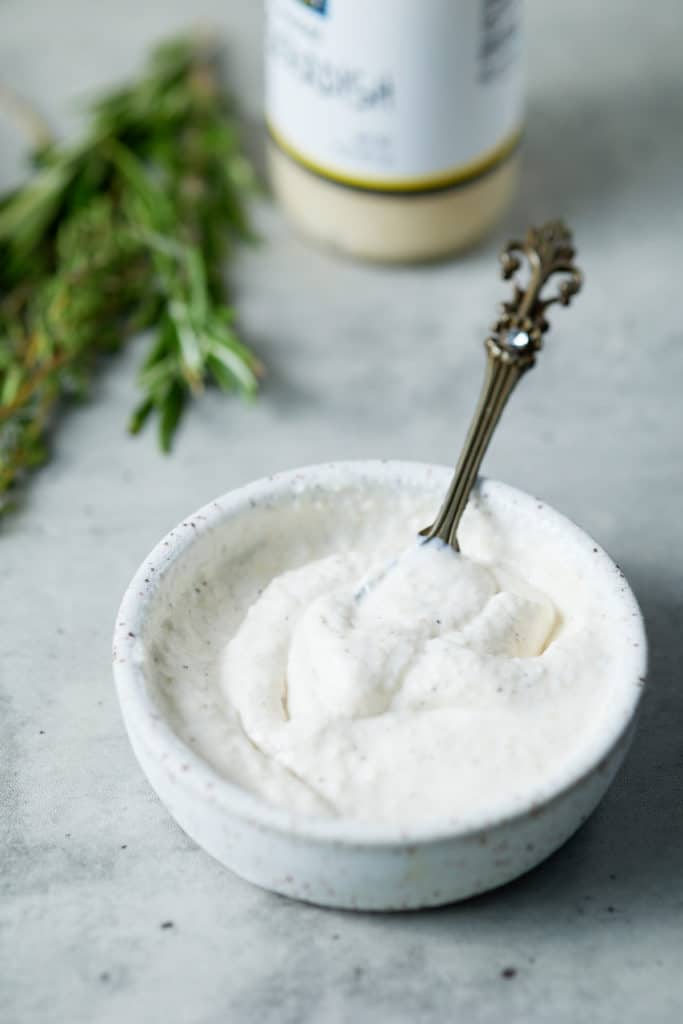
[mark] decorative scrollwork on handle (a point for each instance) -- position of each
(548, 250)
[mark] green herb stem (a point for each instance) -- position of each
(126, 229)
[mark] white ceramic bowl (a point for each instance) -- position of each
(329, 861)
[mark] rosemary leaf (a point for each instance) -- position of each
(126, 229)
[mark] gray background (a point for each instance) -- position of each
(363, 361)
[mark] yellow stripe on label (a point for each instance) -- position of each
(459, 175)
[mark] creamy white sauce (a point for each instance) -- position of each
(453, 688)
(387, 227)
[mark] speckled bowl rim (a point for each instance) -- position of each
(146, 719)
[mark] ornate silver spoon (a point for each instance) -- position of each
(511, 350)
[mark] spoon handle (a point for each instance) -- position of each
(510, 351)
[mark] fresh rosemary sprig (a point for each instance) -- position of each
(127, 229)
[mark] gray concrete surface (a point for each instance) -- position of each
(362, 362)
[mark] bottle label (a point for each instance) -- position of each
(395, 95)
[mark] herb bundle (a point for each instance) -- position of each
(126, 229)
